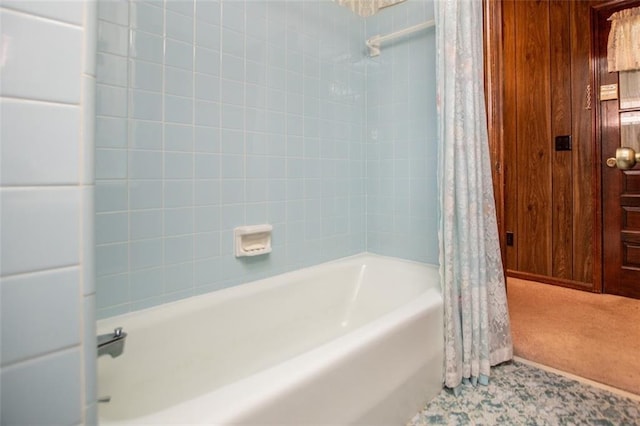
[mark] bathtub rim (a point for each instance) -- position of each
(106, 325)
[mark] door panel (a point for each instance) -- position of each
(629, 89)
(619, 123)
(630, 127)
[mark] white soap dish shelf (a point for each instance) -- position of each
(252, 240)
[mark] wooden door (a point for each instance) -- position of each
(619, 125)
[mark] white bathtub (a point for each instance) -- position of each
(354, 341)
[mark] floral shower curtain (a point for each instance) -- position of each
(477, 330)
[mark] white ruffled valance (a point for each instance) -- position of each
(366, 7)
(623, 48)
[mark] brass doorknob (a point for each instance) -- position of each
(625, 159)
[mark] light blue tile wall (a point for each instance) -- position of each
(212, 115)
(401, 137)
(47, 291)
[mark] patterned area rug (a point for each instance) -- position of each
(519, 394)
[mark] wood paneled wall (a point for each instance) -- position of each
(549, 194)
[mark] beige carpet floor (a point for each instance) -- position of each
(595, 336)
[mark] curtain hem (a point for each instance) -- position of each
(501, 355)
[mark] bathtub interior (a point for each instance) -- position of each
(179, 351)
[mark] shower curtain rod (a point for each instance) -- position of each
(374, 42)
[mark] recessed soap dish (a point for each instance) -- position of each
(252, 240)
